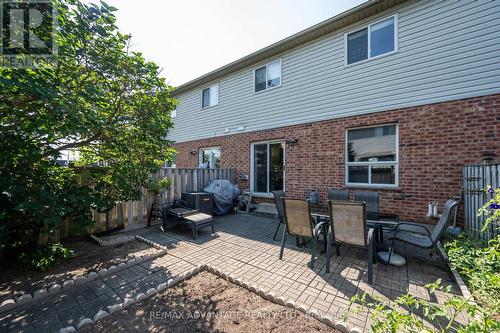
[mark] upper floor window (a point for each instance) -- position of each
(173, 113)
(268, 76)
(372, 156)
(210, 96)
(374, 40)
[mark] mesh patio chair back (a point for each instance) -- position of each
(298, 217)
(446, 217)
(348, 222)
(278, 201)
(338, 195)
(371, 200)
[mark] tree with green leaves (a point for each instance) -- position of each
(101, 99)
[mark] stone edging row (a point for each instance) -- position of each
(462, 286)
(80, 280)
(326, 319)
(114, 241)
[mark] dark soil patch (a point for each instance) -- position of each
(207, 303)
(89, 256)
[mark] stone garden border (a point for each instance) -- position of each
(326, 319)
(114, 241)
(55, 288)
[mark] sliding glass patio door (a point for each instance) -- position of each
(268, 166)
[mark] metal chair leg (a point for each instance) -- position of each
(314, 247)
(328, 249)
(370, 256)
(283, 243)
(277, 229)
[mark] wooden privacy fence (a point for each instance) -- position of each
(476, 178)
(136, 212)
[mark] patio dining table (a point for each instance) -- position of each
(378, 226)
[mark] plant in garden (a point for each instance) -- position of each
(491, 209)
(410, 314)
(101, 99)
(478, 262)
(43, 259)
(155, 186)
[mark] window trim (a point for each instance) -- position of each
(252, 145)
(200, 157)
(173, 114)
(265, 65)
(208, 87)
(368, 27)
(347, 164)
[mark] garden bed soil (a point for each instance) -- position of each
(15, 280)
(207, 303)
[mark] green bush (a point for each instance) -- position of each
(409, 314)
(478, 262)
(45, 258)
(157, 185)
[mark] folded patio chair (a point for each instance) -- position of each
(299, 223)
(406, 231)
(348, 227)
(338, 195)
(278, 201)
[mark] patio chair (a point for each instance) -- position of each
(338, 195)
(348, 227)
(278, 201)
(299, 223)
(406, 231)
(372, 202)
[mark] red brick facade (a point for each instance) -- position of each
(435, 141)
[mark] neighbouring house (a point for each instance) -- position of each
(393, 96)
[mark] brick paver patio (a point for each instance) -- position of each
(244, 248)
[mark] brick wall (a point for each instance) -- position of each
(435, 141)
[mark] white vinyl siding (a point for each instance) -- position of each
(447, 50)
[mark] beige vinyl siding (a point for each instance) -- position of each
(447, 50)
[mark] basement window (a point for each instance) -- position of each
(209, 158)
(372, 156)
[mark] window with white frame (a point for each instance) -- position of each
(210, 96)
(171, 163)
(173, 114)
(268, 76)
(371, 41)
(268, 166)
(372, 156)
(209, 158)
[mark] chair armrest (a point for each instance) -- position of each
(370, 236)
(180, 203)
(318, 226)
(413, 225)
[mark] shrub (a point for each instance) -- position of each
(45, 258)
(478, 262)
(409, 314)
